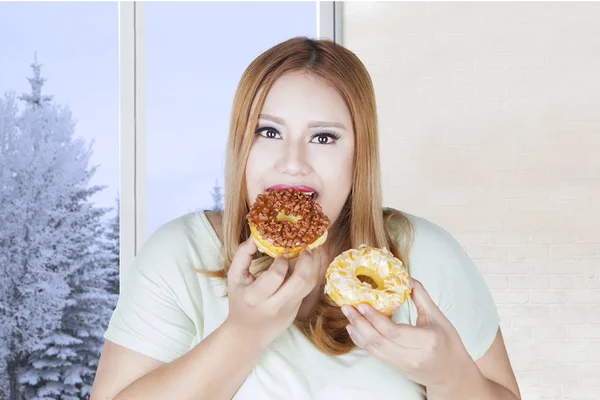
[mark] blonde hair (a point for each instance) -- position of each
(363, 220)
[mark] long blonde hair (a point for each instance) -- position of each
(363, 220)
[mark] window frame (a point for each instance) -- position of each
(132, 116)
(132, 129)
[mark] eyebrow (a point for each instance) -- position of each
(312, 124)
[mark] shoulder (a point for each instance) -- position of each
(436, 255)
(174, 236)
(422, 234)
(172, 231)
(438, 260)
(429, 236)
(176, 246)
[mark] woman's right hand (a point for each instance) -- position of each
(262, 308)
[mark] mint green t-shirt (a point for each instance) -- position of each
(166, 308)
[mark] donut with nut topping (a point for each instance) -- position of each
(284, 222)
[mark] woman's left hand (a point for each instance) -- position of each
(430, 353)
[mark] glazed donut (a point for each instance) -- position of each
(283, 222)
(385, 280)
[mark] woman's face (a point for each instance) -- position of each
(304, 139)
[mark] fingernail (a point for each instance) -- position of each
(349, 329)
(362, 309)
(345, 310)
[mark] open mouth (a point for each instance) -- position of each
(304, 189)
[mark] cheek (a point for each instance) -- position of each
(336, 175)
(336, 178)
(340, 169)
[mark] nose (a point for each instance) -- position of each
(293, 160)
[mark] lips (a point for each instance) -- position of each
(301, 188)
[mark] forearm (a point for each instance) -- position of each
(214, 369)
(474, 386)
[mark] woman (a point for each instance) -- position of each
(202, 316)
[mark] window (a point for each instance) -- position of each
(196, 54)
(94, 98)
(59, 237)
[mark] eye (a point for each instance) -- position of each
(268, 133)
(325, 138)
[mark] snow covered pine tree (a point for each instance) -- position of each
(55, 305)
(217, 196)
(112, 246)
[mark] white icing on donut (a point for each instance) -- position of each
(341, 277)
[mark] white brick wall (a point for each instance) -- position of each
(490, 126)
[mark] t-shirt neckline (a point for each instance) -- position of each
(211, 231)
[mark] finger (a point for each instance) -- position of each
(365, 335)
(269, 281)
(427, 310)
(239, 273)
(383, 324)
(302, 280)
(401, 334)
(390, 353)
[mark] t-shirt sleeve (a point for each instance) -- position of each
(148, 317)
(455, 284)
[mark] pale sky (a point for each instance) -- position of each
(196, 53)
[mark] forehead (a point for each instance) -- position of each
(301, 96)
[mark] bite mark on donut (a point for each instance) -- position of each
(288, 219)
